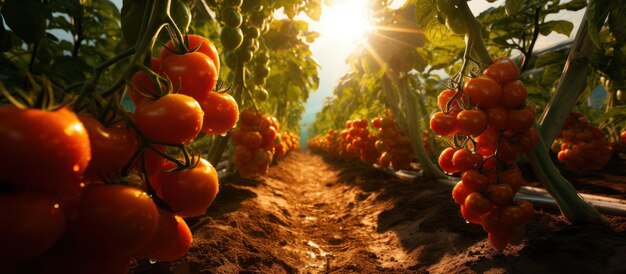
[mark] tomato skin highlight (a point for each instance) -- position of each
(123, 218)
(192, 74)
(172, 119)
(111, 148)
(189, 192)
(36, 223)
(54, 143)
(221, 113)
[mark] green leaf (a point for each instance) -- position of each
(425, 11)
(512, 7)
(559, 26)
(598, 10)
(314, 9)
(574, 5)
(617, 21)
(613, 112)
(550, 58)
(26, 18)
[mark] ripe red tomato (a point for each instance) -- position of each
(470, 216)
(45, 151)
(491, 221)
(203, 45)
(500, 194)
(472, 121)
(512, 216)
(512, 177)
(123, 218)
(33, 223)
(463, 160)
(459, 103)
(484, 91)
(221, 113)
(445, 161)
(514, 94)
(360, 123)
(508, 151)
(142, 83)
(503, 70)
(250, 117)
(111, 148)
(192, 74)
(497, 117)
(460, 192)
(623, 136)
(376, 122)
(499, 239)
(172, 119)
(475, 180)
(171, 240)
(252, 139)
(189, 192)
(443, 124)
(241, 155)
(521, 120)
(478, 203)
(154, 162)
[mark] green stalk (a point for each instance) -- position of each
(571, 85)
(430, 169)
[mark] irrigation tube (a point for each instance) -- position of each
(539, 197)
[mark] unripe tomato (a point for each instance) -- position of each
(231, 16)
(231, 38)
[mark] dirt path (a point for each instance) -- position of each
(313, 215)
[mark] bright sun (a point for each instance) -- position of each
(345, 21)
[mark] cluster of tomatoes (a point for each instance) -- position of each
(83, 184)
(580, 145)
(255, 144)
(389, 147)
(194, 107)
(285, 142)
(491, 125)
(394, 146)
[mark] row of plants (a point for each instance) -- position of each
(114, 121)
(481, 117)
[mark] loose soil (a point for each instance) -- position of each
(316, 215)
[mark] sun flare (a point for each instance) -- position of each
(345, 21)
